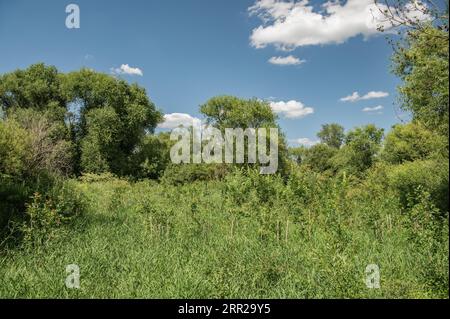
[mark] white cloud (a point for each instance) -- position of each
(354, 97)
(373, 109)
(351, 98)
(292, 24)
(288, 60)
(126, 69)
(174, 120)
(291, 109)
(374, 95)
(305, 141)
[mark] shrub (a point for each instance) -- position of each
(50, 149)
(319, 156)
(14, 144)
(188, 173)
(412, 142)
(430, 175)
(47, 212)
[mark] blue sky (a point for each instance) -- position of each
(189, 51)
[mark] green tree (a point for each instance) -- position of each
(412, 142)
(421, 61)
(35, 87)
(360, 151)
(231, 112)
(113, 117)
(332, 135)
(319, 156)
(107, 117)
(297, 154)
(152, 156)
(14, 145)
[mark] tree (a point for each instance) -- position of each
(411, 15)
(14, 143)
(112, 119)
(152, 156)
(232, 112)
(35, 87)
(319, 156)
(412, 142)
(332, 135)
(421, 58)
(105, 118)
(422, 64)
(49, 147)
(297, 154)
(360, 150)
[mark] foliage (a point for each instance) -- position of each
(230, 112)
(46, 212)
(50, 149)
(113, 118)
(14, 143)
(152, 156)
(249, 236)
(319, 157)
(429, 175)
(422, 64)
(102, 119)
(187, 173)
(35, 87)
(332, 135)
(411, 142)
(360, 150)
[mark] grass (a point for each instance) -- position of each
(229, 240)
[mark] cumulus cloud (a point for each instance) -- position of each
(174, 120)
(305, 141)
(126, 69)
(291, 109)
(291, 24)
(371, 95)
(373, 109)
(287, 60)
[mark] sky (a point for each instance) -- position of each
(315, 62)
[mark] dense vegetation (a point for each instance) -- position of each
(84, 179)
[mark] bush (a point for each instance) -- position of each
(14, 144)
(412, 142)
(50, 149)
(429, 175)
(188, 173)
(13, 195)
(47, 212)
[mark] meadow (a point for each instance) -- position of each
(244, 237)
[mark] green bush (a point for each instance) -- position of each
(429, 175)
(49, 211)
(412, 142)
(188, 173)
(14, 148)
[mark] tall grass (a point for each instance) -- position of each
(248, 236)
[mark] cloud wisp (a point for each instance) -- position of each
(304, 141)
(287, 60)
(373, 109)
(354, 97)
